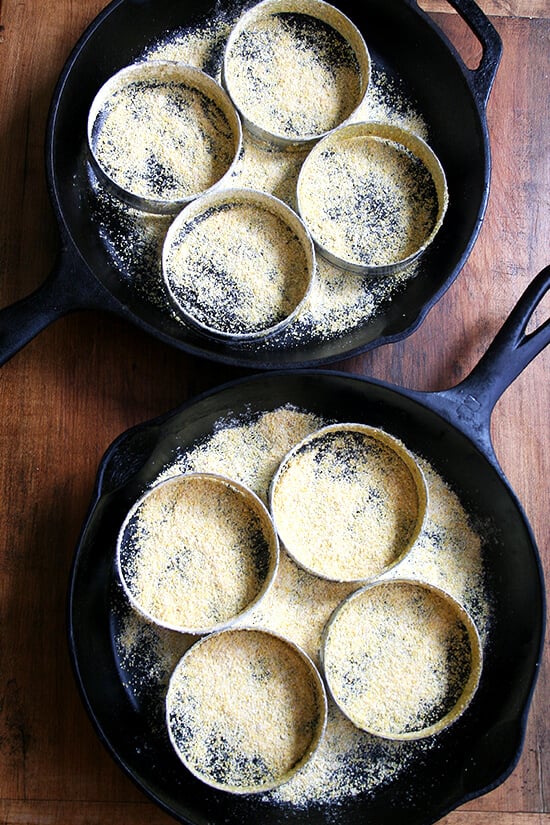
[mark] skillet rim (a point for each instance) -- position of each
(280, 358)
(154, 427)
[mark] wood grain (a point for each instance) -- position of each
(88, 377)
(496, 8)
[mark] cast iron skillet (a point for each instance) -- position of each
(404, 42)
(451, 430)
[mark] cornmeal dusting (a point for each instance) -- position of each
(340, 302)
(264, 167)
(448, 554)
(196, 552)
(201, 46)
(368, 200)
(147, 655)
(237, 267)
(163, 139)
(281, 66)
(251, 449)
(244, 709)
(346, 504)
(397, 658)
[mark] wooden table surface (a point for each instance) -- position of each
(88, 377)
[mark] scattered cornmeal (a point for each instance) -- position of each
(163, 133)
(338, 304)
(245, 710)
(348, 502)
(295, 68)
(196, 551)
(238, 263)
(402, 659)
(448, 554)
(372, 195)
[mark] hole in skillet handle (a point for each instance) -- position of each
(472, 36)
(457, 30)
(513, 348)
(471, 402)
(540, 317)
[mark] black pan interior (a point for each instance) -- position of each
(475, 754)
(403, 43)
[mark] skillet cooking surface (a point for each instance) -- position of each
(405, 46)
(476, 753)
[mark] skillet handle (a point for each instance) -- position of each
(512, 348)
(66, 289)
(481, 79)
(471, 402)
(23, 320)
